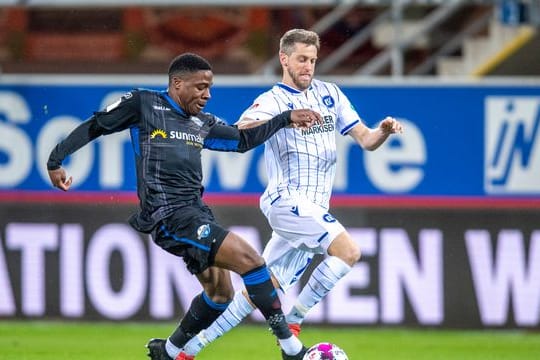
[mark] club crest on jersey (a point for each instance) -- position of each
(203, 231)
(328, 101)
(158, 132)
(328, 218)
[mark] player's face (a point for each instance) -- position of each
(299, 66)
(192, 92)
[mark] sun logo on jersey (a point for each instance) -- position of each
(158, 132)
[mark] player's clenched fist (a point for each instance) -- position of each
(60, 179)
(391, 126)
(305, 118)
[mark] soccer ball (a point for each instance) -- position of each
(325, 351)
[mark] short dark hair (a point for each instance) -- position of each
(188, 63)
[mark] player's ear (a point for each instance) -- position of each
(283, 59)
(176, 82)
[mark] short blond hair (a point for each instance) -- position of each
(295, 36)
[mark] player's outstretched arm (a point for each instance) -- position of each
(80, 136)
(371, 139)
(247, 123)
(302, 118)
(230, 138)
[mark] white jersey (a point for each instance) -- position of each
(303, 161)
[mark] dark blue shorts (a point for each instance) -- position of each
(192, 233)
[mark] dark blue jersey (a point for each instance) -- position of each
(167, 144)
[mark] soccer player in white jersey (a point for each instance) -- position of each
(301, 166)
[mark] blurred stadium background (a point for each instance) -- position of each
(447, 215)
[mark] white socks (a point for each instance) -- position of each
(290, 346)
(238, 310)
(172, 349)
(322, 280)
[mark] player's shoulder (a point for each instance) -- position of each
(321, 84)
(135, 94)
(210, 119)
(128, 99)
(327, 89)
(263, 98)
(271, 92)
(144, 92)
(155, 97)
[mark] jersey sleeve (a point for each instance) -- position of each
(121, 114)
(79, 137)
(230, 138)
(116, 117)
(263, 108)
(347, 117)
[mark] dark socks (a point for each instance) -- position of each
(202, 312)
(263, 294)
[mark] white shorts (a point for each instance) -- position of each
(301, 229)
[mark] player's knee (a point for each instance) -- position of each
(247, 259)
(346, 249)
(251, 260)
(237, 255)
(355, 255)
(222, 297)
(223, 293)
(351, 255)
(217, 284)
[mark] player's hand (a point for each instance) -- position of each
(304, 118)
(391, 126)
(60, 179)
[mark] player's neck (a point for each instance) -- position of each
(292, 85)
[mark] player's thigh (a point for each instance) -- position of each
(304, 225)
(286, 262)
(192, 233)
(237, 255)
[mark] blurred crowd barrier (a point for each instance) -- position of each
(238, 39)
(67, 40)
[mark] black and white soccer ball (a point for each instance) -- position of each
(325, 351)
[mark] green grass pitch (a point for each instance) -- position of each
(118, 341)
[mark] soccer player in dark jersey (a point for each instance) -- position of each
(168, 131)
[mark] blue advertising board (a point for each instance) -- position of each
(460, 139)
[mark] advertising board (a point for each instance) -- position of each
(420, 268)
(460, 140)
